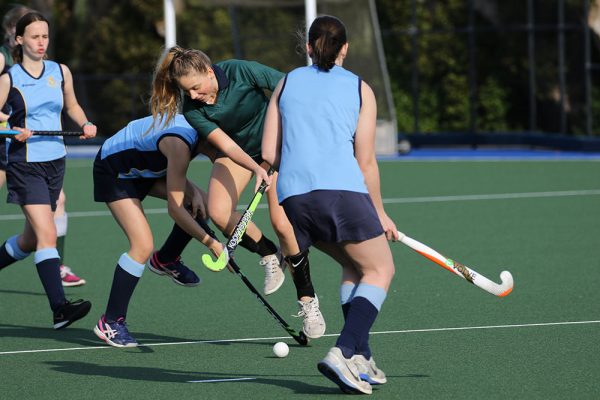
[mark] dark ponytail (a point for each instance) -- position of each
(326, 37)
(23, 23)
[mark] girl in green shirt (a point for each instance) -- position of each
(226, 104)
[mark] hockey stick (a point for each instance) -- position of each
(12, 132)
(238, 232)
(298, 337)
(461, 270)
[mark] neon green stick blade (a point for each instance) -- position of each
(215, 265)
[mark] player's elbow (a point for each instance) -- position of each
(268, 155)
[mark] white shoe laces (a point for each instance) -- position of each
(271, 264)
(64, 271)
(309, 310)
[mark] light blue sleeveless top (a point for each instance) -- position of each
(133, 151)
(319, 114)
(36, 104)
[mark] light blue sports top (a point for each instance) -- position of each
(133, 151)
(36, 104)
(319, 114)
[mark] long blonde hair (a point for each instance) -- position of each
(176, 62)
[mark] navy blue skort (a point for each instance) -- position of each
(3, 158)
(332, 216)
(108, 187)
(35, 182)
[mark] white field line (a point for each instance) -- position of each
(223, 380)
(426, 330)
(399, 200)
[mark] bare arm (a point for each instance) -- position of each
(4, 89)
(364, 151)
(271, 141)
(72, 107)
(178, 156)
(3, 117)
(219, 139)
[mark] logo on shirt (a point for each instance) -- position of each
(51, 82)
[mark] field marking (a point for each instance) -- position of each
(425, 330)
(399, 200)
(223, 380)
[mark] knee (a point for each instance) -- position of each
(27, 244)
(142, 250)
(219, 216)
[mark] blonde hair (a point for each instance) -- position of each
(176, 62)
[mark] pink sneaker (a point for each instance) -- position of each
(69, 278)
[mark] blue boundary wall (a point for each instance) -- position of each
(528, 140)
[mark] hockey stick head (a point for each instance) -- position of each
(507, 284)
(301, 339)
(217, 265)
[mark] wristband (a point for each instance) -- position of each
(87, 123)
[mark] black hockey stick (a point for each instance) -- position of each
(12, 132)
(298, 337)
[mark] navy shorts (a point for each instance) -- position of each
(332, 216)
(3, 159)
(108, 187)
(35, 182)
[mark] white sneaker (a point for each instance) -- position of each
(368, 371)
(343, 372)
(313, 324)
(274, 275)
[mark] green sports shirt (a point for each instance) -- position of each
(8, 60)
(240, 106)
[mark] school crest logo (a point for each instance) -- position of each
(51, 82)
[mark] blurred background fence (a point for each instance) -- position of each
(459, 72)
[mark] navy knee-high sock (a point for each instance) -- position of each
(176, 242)
(359, 320)
(11, 252)
(127, 274)
(47, 263)
(5, 258)
(264, 247)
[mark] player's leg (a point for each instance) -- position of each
(61, 221)
(227, 182)
(374, 263)
(130, 216)
(3, 161)
(36, 187)
(313, 324)
(167, 261)
(40, 230)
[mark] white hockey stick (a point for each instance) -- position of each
(461, 270)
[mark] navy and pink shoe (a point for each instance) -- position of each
(114, 333)
(180, 274)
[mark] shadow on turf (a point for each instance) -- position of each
(7, 291)
(151, 374)
(74, 335)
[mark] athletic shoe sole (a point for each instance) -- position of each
(333, 375)
(78, 283)
(276, 288)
